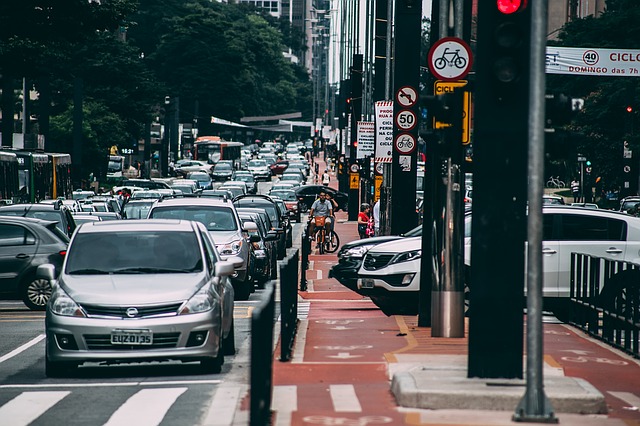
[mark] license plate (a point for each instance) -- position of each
(366, 283)
(131, 337)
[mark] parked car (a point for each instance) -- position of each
(552, 199)
(271, 243)
(295, 178)
(25, 244)
(260, 170)
(203, 180)
(266, 203)
(220, 218)
(628, 203)
(307, 194)
(137, 209)
(144, 291)
(279, 167)
(185, 186)
(248, 179)
(189, 166)
(351, 254)
(286, 220)
(265, 257)
(56, 212)
(222, 171)
(290, 201)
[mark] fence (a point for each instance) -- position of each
(261, 370)
(288, 304)
(605, 300)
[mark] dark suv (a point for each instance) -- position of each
(267, 204)
(25, 244)
(56, 212)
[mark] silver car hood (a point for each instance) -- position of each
(129, 289)
(223, 237)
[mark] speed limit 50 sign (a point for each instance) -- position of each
(406, 119)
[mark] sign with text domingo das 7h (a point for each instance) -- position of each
(593, 61)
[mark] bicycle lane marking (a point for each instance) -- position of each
(607, 369)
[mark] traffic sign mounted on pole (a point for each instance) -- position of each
(450, 59)
(406, 119)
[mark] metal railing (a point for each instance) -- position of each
(605, 300)
(261, 370)
(288, 304)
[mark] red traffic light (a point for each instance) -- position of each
(510, 6)
(629, 108)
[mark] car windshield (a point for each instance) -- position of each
(629, 204)
(222, 167)
(186, 189)
(257, 163)
(129, 252)
(52, 216)
(285, 195)
(214, 218)
(137, 210)
(268, 207)
(245, 178)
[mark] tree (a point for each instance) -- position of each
(601, 128)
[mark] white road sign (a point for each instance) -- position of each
(384, 131)
(593, 61)
(407, 96)
(405, 143)
(406, 119)
(450, 59)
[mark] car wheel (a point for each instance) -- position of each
(36, 292)
(616, 295)
(304, 208)
(229, 342)
(213, 365)
(242, 290)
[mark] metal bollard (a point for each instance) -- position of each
(304, 261)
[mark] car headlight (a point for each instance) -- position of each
(406, 256)
(357, 252)
(230, 249)
(202, 301)
(62, 304)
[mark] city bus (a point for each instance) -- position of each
(9, 189)
(212, 149)
(34, 175)
(61, 186)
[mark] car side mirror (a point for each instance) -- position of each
(224, 268)
(46, 271)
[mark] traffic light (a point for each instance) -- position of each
(505, 53)
(629, 109)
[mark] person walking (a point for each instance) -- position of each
(326, 178)
(575, 190)
(363, 220)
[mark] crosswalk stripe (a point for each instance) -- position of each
(223, 406)
(146, 408)
(284, 401)
(344, 399)
(627, 397)
(28, 406)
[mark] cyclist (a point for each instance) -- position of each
(320, 208)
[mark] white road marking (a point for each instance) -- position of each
(223, 406)
(146, 408)
(303, 310)
(284, 402)
(28, 406)
(319, 273)
(627, 397)
(105, 384)
(301, 339)
(344, 399)
(22, 348)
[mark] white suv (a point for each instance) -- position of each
(390, 272)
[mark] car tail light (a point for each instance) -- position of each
(62, 253)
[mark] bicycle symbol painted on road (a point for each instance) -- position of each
(454, 60)
(343, 421)
(582, 359)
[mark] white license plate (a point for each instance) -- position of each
(131, 337)
(366, 283)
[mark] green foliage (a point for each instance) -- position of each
(601, 128)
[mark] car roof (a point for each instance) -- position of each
(109, 226)
(21, 219)
(33, 207)
(195, 201)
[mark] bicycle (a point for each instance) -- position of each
(332, 242)
(456, 60)
(320, 231)
(555, 182)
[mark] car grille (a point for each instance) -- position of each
(121, 311)
(374, 261)
(102, 342)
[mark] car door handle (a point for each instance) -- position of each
(548, 251)
(22, 256)
(613, 250)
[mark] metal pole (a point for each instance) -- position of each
(535, 406)
(387, 68)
